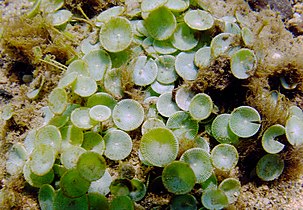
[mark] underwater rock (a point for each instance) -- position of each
(281, 6)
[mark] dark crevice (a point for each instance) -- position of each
(13, 126)
(20, 69)
(91, 8)
(282, 6)
(231, 97)
(5, 95)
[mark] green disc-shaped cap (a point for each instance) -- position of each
(80, 67)
(91, 166)
(145, 71)
(247, 36)
(140, 28)
(183, 202)
(59, 169)
(288, 85)
(184, 38)
(166, 69)
(7, 112)
(164, 47)
(222, 43)
(70, 156)
(35, 9)
(150, 5)
(98, 63)
(165, 105)
(231, 27)
(185, 66)
(150, 105)
(59, 120)
(118, 144)
(100, 113)
(210, 183)
(89, 44)
(81, 119)
(220, 130)
(101, 98)
(160, 88)
(183, 98)
(64, 202)
(159, 146)
(112, 82)
(93, 141)
(144, 161)
(85, 86)
(295, 111)
(121, 202)
(199, 161)
(231, 187)
(228, 19)
(243, 63)
(245, 121)
(182, 125)
(270, 167)
(148, 47)
(294, 130)
(96, 200)
(120, 58)
(17, 156)
(57, 100)
(178, 177)
(60, 17)
(46, 197)
(165, 29)
(35, 180)
(72, 184)
(139, 190)
(106, 15)
(203, 57)
(101, 186)
(203, 143)
(128, 114)
(199, 20)
(67, 80)
(42, 159)
(151, 123)
(177, 5)
(120, 187)
(270, 141)
(201, 106)
(48, 135)
(71, 135)
(116, 34)
(214, 199)
(224, 157)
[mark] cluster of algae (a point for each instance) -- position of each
(163, 97)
